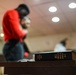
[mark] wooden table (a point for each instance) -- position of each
(67, 67)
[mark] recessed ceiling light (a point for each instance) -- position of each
(72, 5)
(53, 9)
(2, 35)
(55, 19)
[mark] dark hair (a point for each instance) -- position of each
(63, 42)
(24, 6)
(23, 10)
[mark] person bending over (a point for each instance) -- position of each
(13, 49)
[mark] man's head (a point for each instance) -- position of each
(25, 22)
(23, 10)
(64, 42)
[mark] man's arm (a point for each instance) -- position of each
(15, 25)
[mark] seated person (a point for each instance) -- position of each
(60, 47)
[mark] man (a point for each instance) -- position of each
(25, 24)
(61, 46)
(13, 34)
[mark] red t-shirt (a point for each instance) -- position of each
(11, 26)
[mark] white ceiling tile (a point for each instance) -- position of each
(37, 2)
(10, 4)
(41, 23)
(63, 4)
(44, 8)
(72, 19)
(62, 26)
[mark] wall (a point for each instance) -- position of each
(48, 43)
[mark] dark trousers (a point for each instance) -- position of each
(13, 51)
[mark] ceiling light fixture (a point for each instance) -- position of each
(2, 35)
(55, 19)
(53, 9)
(72, 5)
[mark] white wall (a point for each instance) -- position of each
(48, 43)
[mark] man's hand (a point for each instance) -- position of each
(26, 31)
(26, 34)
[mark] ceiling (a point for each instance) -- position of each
(41, 24)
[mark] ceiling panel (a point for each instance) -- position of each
(41, 23)
(37, 2)
(62, 26)
(44, 9)
(1, 9)
(63, 5)
(72, 19)
(42, 26)
(34, 14)
(8, 4)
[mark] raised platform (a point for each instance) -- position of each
(40, 68)
(54, 56)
